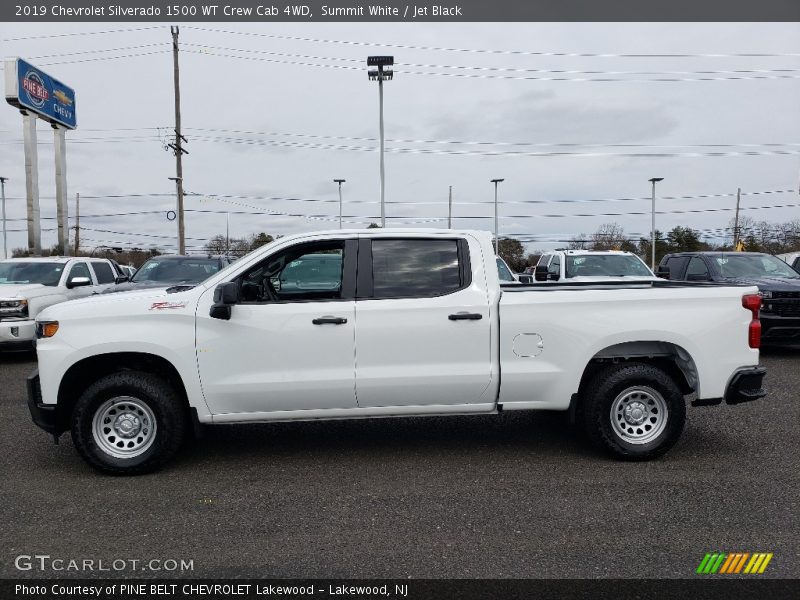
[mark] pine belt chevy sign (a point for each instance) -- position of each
(29, 88)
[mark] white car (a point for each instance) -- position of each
(409, 323)
(592, 266)
(29, 285)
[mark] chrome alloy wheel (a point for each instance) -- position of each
(124, 427)
(639, 415)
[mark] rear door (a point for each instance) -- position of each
(422, 323)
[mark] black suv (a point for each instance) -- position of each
(173, 271)
(778, 283)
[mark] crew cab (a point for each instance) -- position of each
(778, 283)
(391, 323)
(591, 265)
(29, 285)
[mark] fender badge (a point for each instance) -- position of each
(167, 305)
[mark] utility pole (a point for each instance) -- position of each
(736, 221)
(77, 223)
(450, 209)
(177, 147)
(496, 219)
(340, 182)
(5, 235)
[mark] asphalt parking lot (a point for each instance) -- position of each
(514, 496)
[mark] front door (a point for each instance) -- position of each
(290, 342)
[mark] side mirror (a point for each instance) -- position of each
(698, 277)
(225, 296)
(541, 273)
(662, 271)
(121, 279)
(78, 282)
(525, 278)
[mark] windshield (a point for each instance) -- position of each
(505, 273)
(736, 266)
(45, 273)
(176, 270)
(606, 265)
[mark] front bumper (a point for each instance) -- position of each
(744, 386)
(779, 330)
(44, 415)
(17, 335)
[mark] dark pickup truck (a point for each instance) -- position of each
(778, 283)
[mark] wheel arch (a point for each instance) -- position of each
(88, 370)
(667, 356)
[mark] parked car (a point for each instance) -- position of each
(591, 265)
(778, 283)
(417, 324)
(167, 271)
(29, 285)
(792, 259)
(126, 270)
(504, 272)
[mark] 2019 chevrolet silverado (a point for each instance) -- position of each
(410, 323)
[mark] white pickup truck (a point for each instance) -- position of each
(387, 323)
(29, 285)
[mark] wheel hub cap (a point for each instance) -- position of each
(635, 413)
(127, 425)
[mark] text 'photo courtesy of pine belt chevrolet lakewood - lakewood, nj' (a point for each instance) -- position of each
(377, 323)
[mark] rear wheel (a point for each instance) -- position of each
(128, 423)
(634, 410)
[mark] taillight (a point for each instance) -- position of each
(752, 302)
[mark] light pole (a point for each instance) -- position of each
(654, 181)
(5, 235)
(496, 237)
(340, 182)
(380, 75)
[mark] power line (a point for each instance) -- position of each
(489, 51)
(508, 77)
(203, 48)
(82, 33)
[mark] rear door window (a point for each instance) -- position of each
(409, 268)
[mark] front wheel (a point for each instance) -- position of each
(128, 423)
(634, 410)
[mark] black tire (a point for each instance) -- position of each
(151, 399)
(648, 392)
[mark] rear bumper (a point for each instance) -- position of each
(44, 415)
(744, 386)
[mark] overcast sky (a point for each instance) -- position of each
(310, 124)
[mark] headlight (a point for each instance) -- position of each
(13, 308)
(766, 294)
(46, 329)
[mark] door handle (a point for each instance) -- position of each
(465, 316)
(329, 321)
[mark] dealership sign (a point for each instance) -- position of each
(29, 88)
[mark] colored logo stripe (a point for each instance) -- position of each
(734, 563)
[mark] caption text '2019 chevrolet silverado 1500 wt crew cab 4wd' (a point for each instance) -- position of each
(352, 324)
